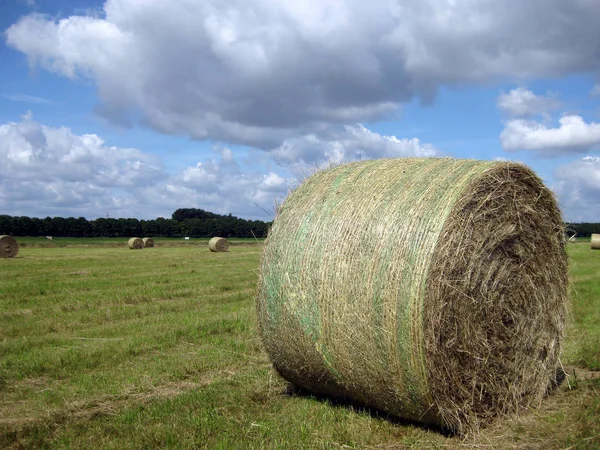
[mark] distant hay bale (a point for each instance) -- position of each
(135, 243)
(9, 248)
(431, 289)
(218, 244)
(595, 243)
(148, 242)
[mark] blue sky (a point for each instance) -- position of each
(135, 109)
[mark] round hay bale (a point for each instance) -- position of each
(218, 244)
(431, 289)
(595, 242)
(148, 242)
(135, 243)
(9, 248)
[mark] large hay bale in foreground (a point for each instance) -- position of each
(148, 242)
(9, 248)
(135, 243)
(218, 244)
(432, 289)
(595, 243)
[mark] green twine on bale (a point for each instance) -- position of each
(431, 289)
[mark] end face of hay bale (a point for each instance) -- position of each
(595, 242)
(431, 289)
(218, 244)
(148, 242)
(135, 243)
(9, 248)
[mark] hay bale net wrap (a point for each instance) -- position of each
(595, 242)
(432, 289)
(218, 244)
(148, 242)
(135, 243)
(9, 248)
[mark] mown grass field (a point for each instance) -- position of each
(120, 242)
(105, 347)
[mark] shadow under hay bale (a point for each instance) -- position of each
(135, 243)
(218, 244)
(595, 242)
(292, 390)
(9, 247)
(148, 242)
(431, 289)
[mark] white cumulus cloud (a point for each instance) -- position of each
(349, 143)
(53, 171)
(524, 103)
(573, 135)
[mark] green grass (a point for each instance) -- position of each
(28, 241)
(583, 347)
(105, 347)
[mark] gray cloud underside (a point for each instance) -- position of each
(260, 72)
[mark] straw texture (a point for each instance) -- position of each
(135, 243)
(148, 242)
(431, 289)
(218, 244)
(9, 248)
(595, 243)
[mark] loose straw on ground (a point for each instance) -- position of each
(218, 244)
(431, 289)
(9, 248)
(135, 243)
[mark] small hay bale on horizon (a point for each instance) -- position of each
(218, 244)
(148, 242)
(430, 289)
(135, 243)
(9, 247)
(595, 242)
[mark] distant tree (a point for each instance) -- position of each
(24, 226)
(6, 224)
(168, 227)
(192, 213)
(149, 228)
(584, 229)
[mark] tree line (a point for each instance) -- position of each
(584, 229)
(184, 222)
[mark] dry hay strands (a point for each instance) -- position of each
(431, 289)
(148, 242)
(9, 247)
(595, 242)
(218, 244)
(135, 243)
